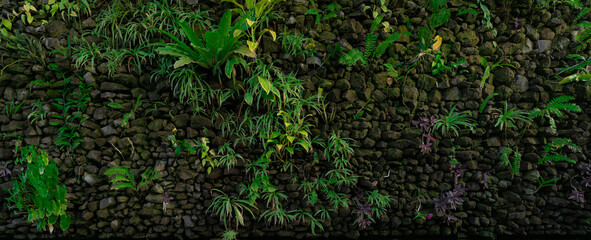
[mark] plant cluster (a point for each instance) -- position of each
(37, 190)
(426, 125)
(329, 12)
(123, 178)
(448, 201)
(555, 107)
(553, 151)
(71, 105)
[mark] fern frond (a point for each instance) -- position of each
(370, 46)
(581, 14)
(505, 152)
(552, 124)
(516, 161)
(352, 57)
(555, 158)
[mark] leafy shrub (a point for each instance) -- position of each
(37, 190)
(218, 49)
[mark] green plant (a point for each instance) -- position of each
(123, 178)
(296, 44)
(505, 154)
(217, 50)
(378, 202)
(303, 217)
(453, 121)
(12, 108)
(131, 113)
(545, 183)
(483, 104)
(439, 66)
(228, 157)
(328, 13)
(229, 207)
(553, 151)
(68, 9)
(372, 50)
(580, 67)
(229, 235)
(507, 118)
(486, 17)
(488, 68)
(37, 190)
(67, 135)
(554, 107)
(440, 14)
(37, 113)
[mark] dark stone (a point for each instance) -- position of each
(114, 87)
(107, 202)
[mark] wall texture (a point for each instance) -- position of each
(387, 145)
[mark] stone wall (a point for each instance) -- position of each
(386, 143)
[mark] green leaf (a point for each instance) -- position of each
(114, 105)
(248, 97)
(182, 62)
(265, 84)
(65, 221)
(7, 23)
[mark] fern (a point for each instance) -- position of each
(550, 149)
(584, 36)
(555, 107)
(516, 161)
(371, 39)
(505, 153)
(352, 57)
(383, 46)
(125, 179)
(582, 14)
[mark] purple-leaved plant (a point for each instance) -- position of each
(166, 200)
(457, 171)
(448, 201)
(4, 171)
(363, 211)
(578, 196)
(485, 179)
(425, 124)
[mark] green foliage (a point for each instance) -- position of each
(352, 57)
(296, 44)
(217, 49)
(304, 216)
(37, 113)
(123, 178)
(580, 68)
(553, 151)
(379, 203)
(486, 17)
(545, 183)
(453, 122)
(229, 235)
(12, 108)
(555, 107)
(38, 192)
(201, 147)
(508, 118)
(230, 208)
(439, 66)
(24, 49)
(483, 104)
(505, 155)
(440, 15)
(131, 113)
(489, 68)
(68, 121)
(328, 13)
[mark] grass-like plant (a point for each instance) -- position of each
(230, 208)
(38, 112)
(509, 118)
(453, 122)
(555, 108)
(379, 203)
(12, 108)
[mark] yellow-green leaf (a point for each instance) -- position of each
(245, 51)
(249, 22)
(7, 23)
(182, 62)
(252, 45)
(265, 84)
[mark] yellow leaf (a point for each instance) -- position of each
(386, 26)
(273, 34)
(437, 43)
(249, 22)
(237, 32)
(252, 45)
